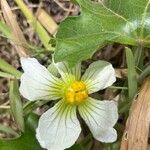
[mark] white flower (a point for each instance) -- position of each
(59, 127)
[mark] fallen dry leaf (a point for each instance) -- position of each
(137, 127)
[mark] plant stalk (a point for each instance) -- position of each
(43, 35)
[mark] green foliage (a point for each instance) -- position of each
(132, 77)
(86, 143)
(144, 74)
(6, 75)
(124, 21)
(42, 33)
(30, 106)
(9, 69)
(4, 29)
(16, 104)
(75, 147)
(26, 141)
(8, 130)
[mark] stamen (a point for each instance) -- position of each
(76, 93)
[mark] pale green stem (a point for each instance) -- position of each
(43, 35)
(119, 88)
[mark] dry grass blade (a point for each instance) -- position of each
(46, 20)
(137, 127)
(19, 40)
(1, 18)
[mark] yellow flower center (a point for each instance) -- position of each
(76, 93)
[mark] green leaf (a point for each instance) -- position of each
(6, 75)
(123, 21)
(9, 69)
(144, 74)
(132, 78)
(8, 130)
(26, 141)
(139, 56)
(85, 144)
(16, 104)
(4, 29)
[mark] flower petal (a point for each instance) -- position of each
(100, 116)
(37, 82)
(58, 127)
(64, 70)
(99, 75)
